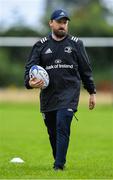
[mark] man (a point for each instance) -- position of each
(65, 59)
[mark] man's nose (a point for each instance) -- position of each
(62, 25)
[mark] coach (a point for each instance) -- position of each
(66, 61)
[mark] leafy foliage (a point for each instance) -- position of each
(90, 21)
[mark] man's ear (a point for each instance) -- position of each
(50, 23)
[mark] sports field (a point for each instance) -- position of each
(23, 134)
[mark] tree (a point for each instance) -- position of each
(90, 21)
(12, 59)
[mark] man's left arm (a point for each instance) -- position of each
(92, 101)
(85, 71)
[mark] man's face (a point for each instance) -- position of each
(59, 27)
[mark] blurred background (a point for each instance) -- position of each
(23, 22)
(22, 132)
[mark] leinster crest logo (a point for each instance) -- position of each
(68, 49)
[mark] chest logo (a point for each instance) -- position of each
(48, 51)
(58, 61)
(68, 49)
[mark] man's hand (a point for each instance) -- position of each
(92, 101)
(36, 83)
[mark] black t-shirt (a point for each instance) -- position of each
(67, 63)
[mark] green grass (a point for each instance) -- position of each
(23, 134)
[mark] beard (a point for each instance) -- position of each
(60, 33)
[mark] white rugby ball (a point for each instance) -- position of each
(39, 73)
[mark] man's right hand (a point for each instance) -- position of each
(36, 83)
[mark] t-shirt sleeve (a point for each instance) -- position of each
(33, 59)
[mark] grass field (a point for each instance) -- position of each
(23, 134)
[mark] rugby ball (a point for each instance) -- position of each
(39, 73)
